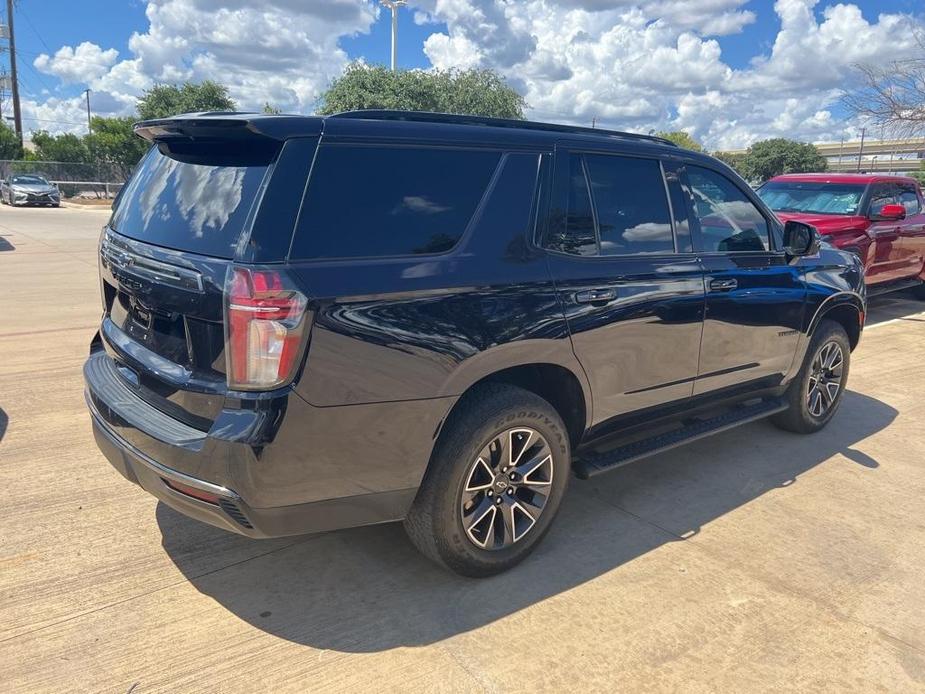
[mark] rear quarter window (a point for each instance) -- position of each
(369, 201)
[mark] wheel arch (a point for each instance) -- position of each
(845, 308)
(564, 386)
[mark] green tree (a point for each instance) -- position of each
(9, 143)
(270, 109)
(66, 147)
(114, 143)
(776, 156)
(165, 100)
(681, 139)
(469, 92)
(733, 160)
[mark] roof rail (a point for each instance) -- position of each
(456, 119)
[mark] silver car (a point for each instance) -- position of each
(29, 189)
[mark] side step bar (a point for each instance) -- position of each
(889, 287)
(590, 464)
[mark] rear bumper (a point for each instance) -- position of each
(232, 513)
(268, 482)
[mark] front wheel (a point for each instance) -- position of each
(495, 482)
(815, 393)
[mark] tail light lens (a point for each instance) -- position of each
(264, 325)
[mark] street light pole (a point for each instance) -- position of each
(861, 150)
(14, 83)
(89, 126)
(394, 5)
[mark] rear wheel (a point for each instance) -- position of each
(815, 393)
(495, 482)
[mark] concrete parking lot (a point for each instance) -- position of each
(753, 561)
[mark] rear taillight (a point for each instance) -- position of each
(264, 325)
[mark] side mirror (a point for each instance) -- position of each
(889, 213)
(800, 239)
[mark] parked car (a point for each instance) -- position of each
(29, 189)
(314, 323)
(880, 218)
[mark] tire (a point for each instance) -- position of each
(439, 522)
(805, 414)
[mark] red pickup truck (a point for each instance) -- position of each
(881, 218)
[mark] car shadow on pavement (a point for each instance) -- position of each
(367, 589)
(6, 245)
(4, 420)
(894, 305)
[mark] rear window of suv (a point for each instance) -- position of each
(375, 201)
(199, 205)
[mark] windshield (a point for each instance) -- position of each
(812, 197)
(30, 180)
(196, 207)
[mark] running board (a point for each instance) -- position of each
(591, 464)
(889, 287)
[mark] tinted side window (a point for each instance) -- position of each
(728, 220)
(909, 198)
(384, 201)
(882, 194)
(631, 203)
(572, 230)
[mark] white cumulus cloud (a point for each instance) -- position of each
(629, 64)
(86, 61)
(644, 64)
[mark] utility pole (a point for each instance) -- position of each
(861, 150)
(14, 80)
(393, 5)
(89, 126)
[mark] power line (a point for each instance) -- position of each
(39, 76)
(35, 31)
(51, 120)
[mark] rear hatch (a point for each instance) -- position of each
(185, 217)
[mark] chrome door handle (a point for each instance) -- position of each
(595, 296)
(723, 285)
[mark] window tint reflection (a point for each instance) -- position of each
(190, 207)
(728, 219)
(632, 205)
(390, 201)
(572, 230)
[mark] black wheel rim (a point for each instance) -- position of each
(825, 379)
(506, 488)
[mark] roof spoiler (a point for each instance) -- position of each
(226, 125)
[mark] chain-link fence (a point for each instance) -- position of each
(74, 179)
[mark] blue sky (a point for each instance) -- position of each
(706, 80)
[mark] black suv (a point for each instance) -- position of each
(314, 323)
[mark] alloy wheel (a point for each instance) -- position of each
(825, 379)
(506, 488)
